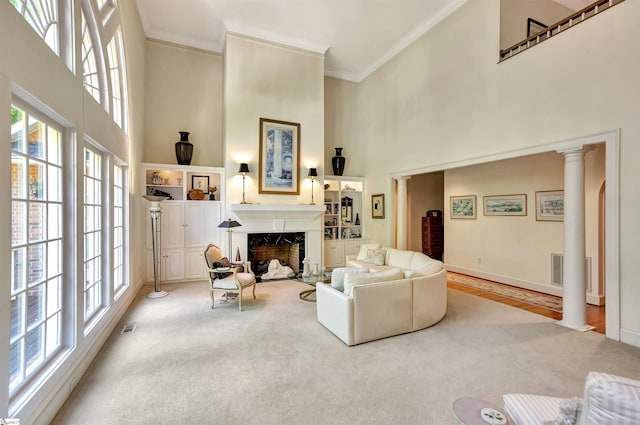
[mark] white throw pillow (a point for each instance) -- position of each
(375, 256)
(364, 248)
(355, 279)
(378, 257)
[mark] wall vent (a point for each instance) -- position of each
(129, 328)
(557, 270)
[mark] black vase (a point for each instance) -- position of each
(337, 162)
(184, 149)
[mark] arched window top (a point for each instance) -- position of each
(42, 15)
(90, 72)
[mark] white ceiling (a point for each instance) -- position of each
(357, 36)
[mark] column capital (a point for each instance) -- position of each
(402, 178)
(583, 149)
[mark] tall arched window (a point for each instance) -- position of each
(103, 57)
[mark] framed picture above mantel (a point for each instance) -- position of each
(279, 157)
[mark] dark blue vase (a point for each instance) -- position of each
(184, 149)
(337, 162)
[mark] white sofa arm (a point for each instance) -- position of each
(381, 309)
(351, 257)
(429, 299)
(335, 311)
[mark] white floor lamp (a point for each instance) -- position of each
(155, 211)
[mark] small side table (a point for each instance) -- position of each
(473, 411)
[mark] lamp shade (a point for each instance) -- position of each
(244, 168)
(313, 172)
(227, 224)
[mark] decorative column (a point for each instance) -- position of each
(401, 225)
(574, 298)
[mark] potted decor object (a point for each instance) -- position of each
(337, 162)
(184, 149)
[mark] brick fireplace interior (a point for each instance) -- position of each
(264, 247)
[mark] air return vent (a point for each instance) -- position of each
(129, 328)
(556, 270)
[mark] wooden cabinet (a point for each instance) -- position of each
(433, 234)
(334, 254)
(186, 227)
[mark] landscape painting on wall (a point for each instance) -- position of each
(279, 157)
(505, 205)
(463, 206)
(550, 205)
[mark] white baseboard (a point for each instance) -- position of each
(630, 337)
(525, 284)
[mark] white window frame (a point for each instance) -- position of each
(32, 377)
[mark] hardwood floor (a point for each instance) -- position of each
(595, 314)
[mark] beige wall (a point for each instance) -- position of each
(183, 92)
(425, 192)
(340, 118)
(514, 14)
(264, 80)
(517, 248)
(447, 100)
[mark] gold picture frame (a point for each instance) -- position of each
(279, 157)
(377, 205)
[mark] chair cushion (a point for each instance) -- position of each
(530, 409)
(610, 400)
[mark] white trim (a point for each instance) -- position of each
(520, 283)
(629, 337)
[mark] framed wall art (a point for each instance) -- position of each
(279, 157)
(550, 205)
(463, 206)
(200, 182)
(377, 205)
(505, 205)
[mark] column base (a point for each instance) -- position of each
(582, 328)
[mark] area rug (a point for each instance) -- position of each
(539, 299)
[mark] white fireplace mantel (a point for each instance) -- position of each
(277, 211)
(268, 218)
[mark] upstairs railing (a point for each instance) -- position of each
(580, 16)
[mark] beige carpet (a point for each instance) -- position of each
(275, 364)
(539, 299)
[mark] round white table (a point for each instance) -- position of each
(473, 411)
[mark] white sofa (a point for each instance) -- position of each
(406, 293)
(608, 400)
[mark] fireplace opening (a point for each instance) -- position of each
(288, 248)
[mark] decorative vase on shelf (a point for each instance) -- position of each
(184, 149)
(357, 223)
(338, 162)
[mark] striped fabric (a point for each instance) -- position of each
(530, 409)
(610, 400)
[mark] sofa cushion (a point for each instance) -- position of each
(425, 270)
(337, 275)
(364, 248)
(399, 258)
(352, 279)
(419, 259)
